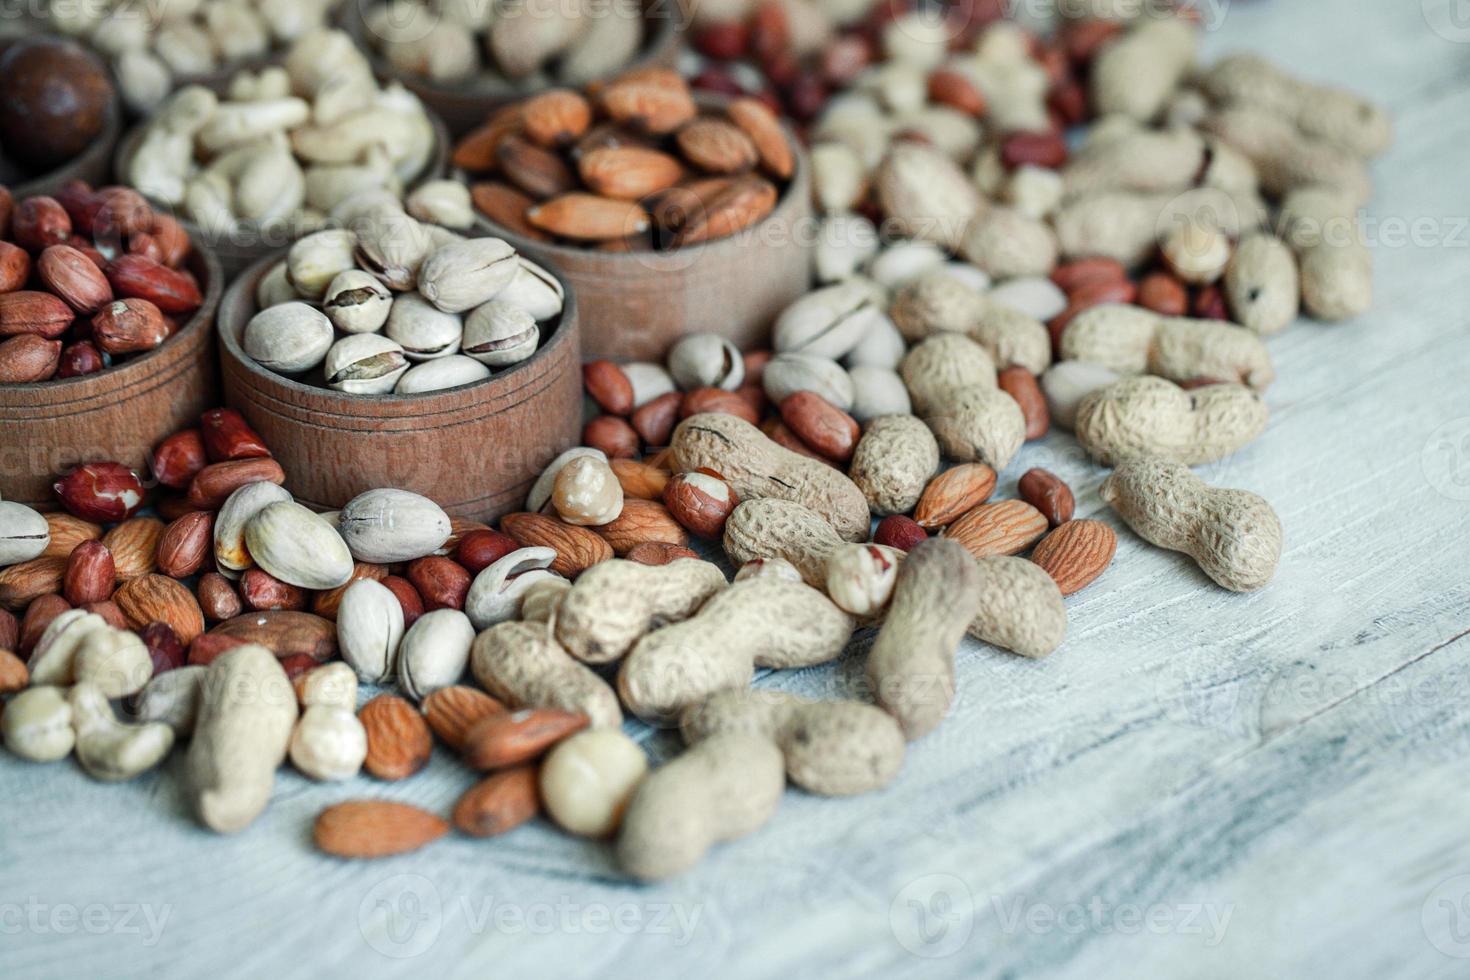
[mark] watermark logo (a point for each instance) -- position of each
(1450, 19)
(1445, 459)
(933, 916)
(1445, 917)
(401, 916)
(129, 919)
(1205, 919)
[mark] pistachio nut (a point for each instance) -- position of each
(369, 630)
(499, 334)
(877, 391)
(440, 374)
(425, 331)
(328, 743)
(365, 364)
(534, 290)
(495, 595)
(356, 302)
(540, 494)
(905, 261)
(172, 697)
(387, 526)
(845, 243)
(289, 339)
(828, 322)
(37, 724)
(649, 381)
(109, 749)
(230, 553)
(434, 652)
(786, 374)
(24, 533)
(883, 346)
(706, 360)
(298, 547)
(391, 245)
(314, 261)
(839, 176)
(441, 202)
(465, 274)
(275, 288)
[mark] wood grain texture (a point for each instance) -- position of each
(117, 414)
(1294, 758)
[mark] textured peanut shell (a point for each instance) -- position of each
(938, 303)
(941, 363)
(911, 664)
(925, 194)
(834, 748)
(893, 463)
(1145, 162)
(772, 528)
(614, 603)
(1285, 157)
(1133, 340)
(1147, 416)
(1262, 287)
(722, 789)
(758, 622)
(523, 665)
(1007, 243)
(1137, 73)
(978, 425)
(1125, 226)
(1233, 535)
(1012, 339)
(247, 709)
(1336, 265)
(1021, 608)
(756, 468)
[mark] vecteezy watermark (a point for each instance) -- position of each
(1445, 459)
(1096, 915)
(35, 917)
(1445, 917)
(403, 916)
(1450, 19)
(932, 916)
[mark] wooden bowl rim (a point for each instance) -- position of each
(244, 288)
(677, 260)
(136, 369)
(661, 41)
(97, 155)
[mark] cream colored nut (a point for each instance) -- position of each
(1262, 285)
(839, 177)
(275, 288)
(467, 274)
(893, 463)
(424, 330)
(828, 322)
(497, 593)
(237, 31)
(442, 202)
(440, 374)
(37, 724)
(941, 365)
(881, 347)
(356, 302)
(53, 659)
(370, 630)
(904, 261)
(290, 338)
(1197, 251)
(78, 646)
(649, 381)
(388, 526)
(1133, 340)
(845, 243)
(587, 492)
(607, 42)
(522, 665)
(391, 245)
(499, 334)
(365, 364)
(1020, 607)
(587, 780)
(1135, 74)
(967, 274)
(543, 598)
(926, 195)
(1147, 416)
(1066, 383)
(536, 291)
(978, 425)
(616, 602)
(333, 685)
(230, 552)
(24, 533)
(786, 374)
(1035, 191)
(172, 698)
(768, 568)
(144, 80)
(860, 577)
(247, 711)
(298, 547)
(434, 652)
(523, 40)
(540, 494)
(706, 360)
(329, 743)
(1004, 243)
(109, 749)
(1035, 296)
(186, 48)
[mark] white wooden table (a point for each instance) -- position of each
(1196, 784)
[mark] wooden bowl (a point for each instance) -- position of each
(635, 305)
(94, 164)
(241, 248)
(117, 414)
(475, 449)
(465, 105)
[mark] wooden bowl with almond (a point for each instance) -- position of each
(668, 214)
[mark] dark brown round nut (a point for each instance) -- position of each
(821, 425)
(478, 550)
(186, 544)
(899, 531)
(654, 421)
(441, 582)
(1049, 494)
(608, 386)
(217, 598)
(408, 597)
(80, 358)
(613, 435)
(263, 591)
(700, 501)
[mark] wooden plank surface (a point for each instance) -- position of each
(1197, 784)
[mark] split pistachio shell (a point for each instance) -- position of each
(365, 364)
(275, 288)
(392, 245)
(24, 533)
(463, 275)
(424, 331)
(369, 630)
(649, 381)
(706, 360)
(495, 595)
(499, 334)
(441, 373)
(434, 652)
(230, 553)
(786, 374)
(388, 526)
(290, 338)
(828, 322)
(357, 302)
(442, 202)
(314, 261)
(534, 290)
(298, 547)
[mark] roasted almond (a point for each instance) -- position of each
(19, 584)
(760, 124)
(1049, 494)
(13, 673)
(577, 548)
(375, 828)
(628, 173)
(134, 546)
(513, 737)
(68, 531)
(1005, 527)
(476, 151)
(952, 493)
(538, 172)
(556, 118)
(500, 802)
(588, 217)
(641, 522)
(506, 206)
(747, 201)
(1076, 553)
(639, 480)
(716, 146)
(452, 711)
(158, 598)
(398, 739)
(653, 104)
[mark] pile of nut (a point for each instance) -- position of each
(87, 278)
(287, 147)
(154, 46)
(393, 305)
(530, 45)
(631, 166)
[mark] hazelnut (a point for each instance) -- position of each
(700, 501)
(587, 492)
(860, 577)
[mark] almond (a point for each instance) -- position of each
(185, 545)
(657, 553)
(19, 584)
(540, 173)
(28, 358)
(72, 276)
(375, 828)
(398, 739)
(13, 673)
(498, 803)
(639, 480)
(759, 123)
(716, 146)
(30, 311)
(952, 493)
(1047, 493)
(506, 206)
(745, 202)
(556, 118)
(1076, 553)
(641, 522)
(284, 632)
(651, 103)
(476, 151)
(628, 173)
(134, 546)
(156, 598)
(68, 531)
(452, 711)
(588, 217)
(1021, 385)
(1006, 527)
(577, 548)
(510, 738)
